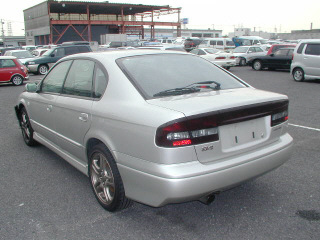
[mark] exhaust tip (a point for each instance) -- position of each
(208, 199)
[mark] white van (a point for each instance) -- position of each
(219, 43)
(306, 60)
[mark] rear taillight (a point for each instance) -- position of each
(232, 57)
(220, 57)
(292, 57)
(279, 118)
(188, 132)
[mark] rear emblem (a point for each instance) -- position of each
(207, 148)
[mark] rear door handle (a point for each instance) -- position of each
(84, 117)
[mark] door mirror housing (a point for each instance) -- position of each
(52, 55)
(32, 87)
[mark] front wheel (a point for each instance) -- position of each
(17, 80)
(105, 180)
(43, 69)
(27, 131)
(298, 75)
(257, 65)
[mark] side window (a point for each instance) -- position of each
(70, 50)
(83, 49)
(79, 80)
(220, 43)
(313, 49)
(258, 49)
(169, 41)
(201, 52)
(7, 63)
(194, 51)
(59, 52)
(100, 83)
(213, 42)
(299, 51)
(55, 78)
(252, 49)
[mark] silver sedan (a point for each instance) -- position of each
(157, 127)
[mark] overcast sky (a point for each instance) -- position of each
(267, 15)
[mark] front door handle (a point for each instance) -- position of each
(84, 117)
(49, 108)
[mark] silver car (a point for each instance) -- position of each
(156, 127)
(306, 60)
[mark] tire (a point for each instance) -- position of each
(242, 62)
(17, 80)
(298, 75)
(26, 128)
(257, 65)
(43, 69)
(105, 180)
(227, 68)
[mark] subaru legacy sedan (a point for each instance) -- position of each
(156, 127)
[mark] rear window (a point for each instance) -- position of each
(152, 74)
(313, 49)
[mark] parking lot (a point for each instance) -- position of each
(43, 197)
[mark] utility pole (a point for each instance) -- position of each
(2, 29)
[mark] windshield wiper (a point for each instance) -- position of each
(177, 91)
(217, 87)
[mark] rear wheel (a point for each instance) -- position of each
(298, 74)
(105, 180)
(227, 68)
(17, 80)
(27, 131)
(257, 65)
(43, 69)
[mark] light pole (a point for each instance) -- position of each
(2, 29)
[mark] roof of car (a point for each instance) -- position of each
(7, 57)
(113, 55)
(310, 41)
(18, 50)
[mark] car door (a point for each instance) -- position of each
(279, 59)
(7, 69)
(74, 108)
(41, 105)
(311, 59)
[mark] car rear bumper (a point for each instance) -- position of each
(157, 185)
(226, 63)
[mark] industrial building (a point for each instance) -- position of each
(54, 22)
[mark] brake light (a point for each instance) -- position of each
(187, 132)
(232, 57)
(278, 118)
(292, 56)
(220, 58)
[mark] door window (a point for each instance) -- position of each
(55, 78)
(251, 50)
(299, 51)
(100, 83)
(59, 52)
(258, 49)
(79, 80)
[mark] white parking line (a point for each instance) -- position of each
(310, 128)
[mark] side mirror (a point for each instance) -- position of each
(52, 55)
(272, 55)
(32, 87)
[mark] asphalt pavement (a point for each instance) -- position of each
(43, 197)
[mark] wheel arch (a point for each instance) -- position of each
(16, 74)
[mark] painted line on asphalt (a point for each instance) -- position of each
(310, 128)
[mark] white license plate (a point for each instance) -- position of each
(243, 134)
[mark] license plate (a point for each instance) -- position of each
(243, 134)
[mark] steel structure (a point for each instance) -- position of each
(86, 21)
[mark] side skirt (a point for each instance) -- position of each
(70, 159)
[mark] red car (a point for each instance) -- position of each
(275, 47)
(12, 70)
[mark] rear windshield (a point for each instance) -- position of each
(152, 74)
